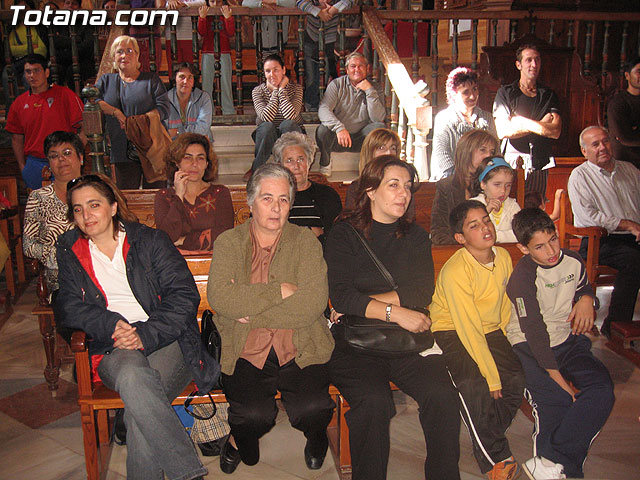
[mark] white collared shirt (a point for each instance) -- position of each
(602, 199)
(112, 277)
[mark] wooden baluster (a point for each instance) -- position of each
(434, 65)
(75, 60)
(375, 70)
(454, 44)
(29, 40)
(474, 44)
(174, 47)
(8, 61)
(342, 42)
(552, 23)
(387, 95)
(532, 25)
(53, 58)
(321, 61)
(409, 147)
(97, 53)
(367, 51)
(570, 34)
(238, 53)
(394, 98)
(195, 46)
(415, 60)
(402, 132)
(513, 30)
(280, 40)
(301, 29)
(216, 64)
(587, 49)
(259, 66)
(153, 56)
(92, 127)
(605, 53)
(494, 32)
(623, 54)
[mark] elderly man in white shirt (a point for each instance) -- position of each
(605, 192)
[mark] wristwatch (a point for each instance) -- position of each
(388, 312)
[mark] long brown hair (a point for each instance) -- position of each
(375, 139)
(360, 215)
(468, 143)
(105, 187)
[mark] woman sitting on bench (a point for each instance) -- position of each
(194, 212)
(130, 290)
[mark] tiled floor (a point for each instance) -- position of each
(42, 439)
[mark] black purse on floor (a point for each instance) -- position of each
(376, 337)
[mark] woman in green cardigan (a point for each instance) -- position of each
(268, 286)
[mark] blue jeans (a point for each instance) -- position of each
(265, 135)
(32, 171)
(312, 71)
(157, 443)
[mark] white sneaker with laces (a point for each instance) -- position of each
(325, 170)
(540, 468)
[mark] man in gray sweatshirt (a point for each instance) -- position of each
(349, 110)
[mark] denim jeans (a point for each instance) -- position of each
(32, 171)
(226, 90)
(327, 141)
(312, 71)
(157, 443)
(265, 135)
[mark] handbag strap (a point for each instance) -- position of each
(383, 270)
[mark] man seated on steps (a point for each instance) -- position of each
(350, 109)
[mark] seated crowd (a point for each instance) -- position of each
(286, 284)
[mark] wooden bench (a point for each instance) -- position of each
(96, 400)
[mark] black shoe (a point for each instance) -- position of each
(249, 449)
(119, 428)
(213, 448)
(315, 450)
(229, 457)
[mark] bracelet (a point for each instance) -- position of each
(388, 313)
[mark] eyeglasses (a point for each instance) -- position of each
(291, 161)
(86, 179)
(123, 51)
(66, 153)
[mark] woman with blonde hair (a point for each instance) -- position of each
(126, 92)
(380, 141)
(194, 211)
(474, 149)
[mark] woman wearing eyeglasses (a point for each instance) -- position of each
(127, 92)
(130, 290)
(315, 206)
(45, 217)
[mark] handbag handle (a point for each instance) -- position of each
(187, 402)
(383, 270)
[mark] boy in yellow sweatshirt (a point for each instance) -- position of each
(469, 313)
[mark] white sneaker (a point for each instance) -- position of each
(540, 468)
(325, 170)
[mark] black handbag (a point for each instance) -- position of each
(213, 344)
(376, 337)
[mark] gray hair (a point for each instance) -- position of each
(590, 127)
(294, 139)
(353, 55)
(269, 170)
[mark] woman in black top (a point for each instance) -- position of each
(357, 287)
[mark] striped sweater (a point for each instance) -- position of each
(278, 105)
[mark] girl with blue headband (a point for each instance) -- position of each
(495, 182)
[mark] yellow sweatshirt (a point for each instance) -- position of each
(471, 299)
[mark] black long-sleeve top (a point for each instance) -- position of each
(353, 276)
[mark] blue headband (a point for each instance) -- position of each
(495, 162)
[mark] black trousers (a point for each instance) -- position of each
(252, 406)
(364, 382)
(129, 175)
(487, 419)
(621, 252)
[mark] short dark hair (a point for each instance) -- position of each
(524, 47)
(458, 215)
(630, 64)
(36, 59)
(456, 78)
(528, 221)
(184, 65)
(533, 199)
(274, 57)
(174, 154)
(56, 138)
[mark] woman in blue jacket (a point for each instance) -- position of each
(130, 290)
